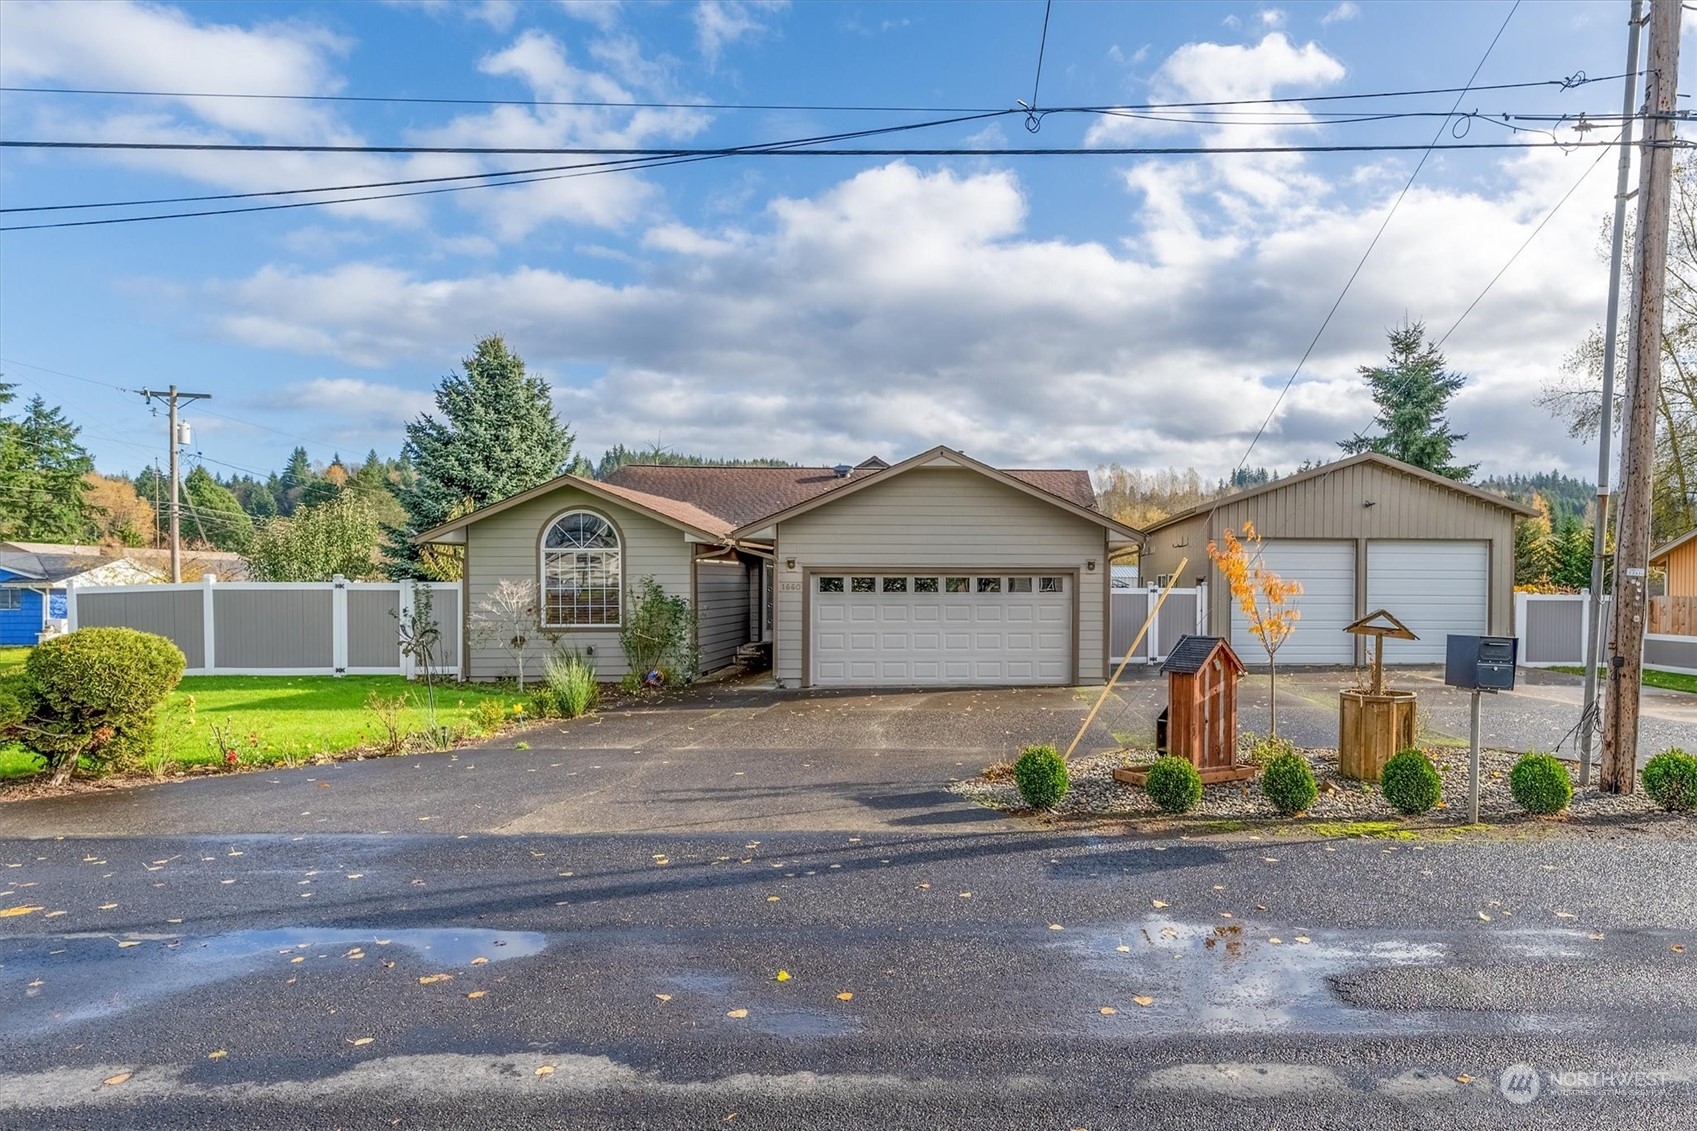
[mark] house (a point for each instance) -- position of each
(33, 577)
(1364, 533)
(937, 570)
(1679, 559)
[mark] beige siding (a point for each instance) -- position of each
(506, 545)
(722, 611)
(940, 519)
(1682, 571)
(1335, 506)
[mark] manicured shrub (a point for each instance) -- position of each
(93, 694)
(1174, 784)
(1289, 784)
(1671, 778)
(1540, 784)
(659, 634)
(1411, 783)
(1263, 748)
(570, 678)
(1041, 775)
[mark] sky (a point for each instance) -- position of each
(1035, 311)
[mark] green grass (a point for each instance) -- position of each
(278, 719)
(1390, 830)
(1667, 681)
(11, 659)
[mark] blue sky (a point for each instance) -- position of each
(1032, 311)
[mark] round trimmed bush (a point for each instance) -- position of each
(1041, 775)
(1671, 778)
(93, 693)
(1174, 784)
(1410, 782)
(1289, 784)
(1540, 784)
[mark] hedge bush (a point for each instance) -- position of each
(1411, 783)
(1263, 748)
(1041, 775)
(1671, 778)
(1540, 784)
(1289, 784)
(1174, 784)
(93, 694)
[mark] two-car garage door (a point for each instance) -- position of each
(1434, 587)
(901, 629)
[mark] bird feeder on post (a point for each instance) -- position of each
(1202, 677)
(1373, 722)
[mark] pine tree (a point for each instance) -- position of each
(497, 435)
(42, 492)
(1411, 390)
(212, 513)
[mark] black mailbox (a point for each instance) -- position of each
(1482, 663)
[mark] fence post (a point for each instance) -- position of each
(403, 606)
(338, 625)
(208, 625)
(1586, 653)
(1152, 642)
(1518, 628)
(1202, 618)
(70, 604)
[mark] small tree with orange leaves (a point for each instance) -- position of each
(1267, 601)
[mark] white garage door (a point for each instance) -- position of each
(1435, 588)
(1327, 603)
(903, 629)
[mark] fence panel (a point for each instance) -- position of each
(1671, 653)
(1673, 616)
(1552, 629)
(445, 607)
(1178, 618)
(372, 627)
(1127, 610)
(175, 613)
(273, 628)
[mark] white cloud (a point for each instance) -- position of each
(1347, 10)
(498, 14)
(1271, 17)
(901, 308)
(604, 14)
(720, 23)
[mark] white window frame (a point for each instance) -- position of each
(545, 553)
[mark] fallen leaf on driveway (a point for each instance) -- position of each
(217, 1054)
(545, 1070)
(114, 1081)
(298, 958)
(475, 994)
(360, 1041)
(21, 909)
(56, 914)
(966, 895)
(737, 1013)
(1157, 903)
(431, 979)
(783, 976)
(1303, 939)
(480, 961)
(1141, 1000)
(1107, 1011)
(771, 899)
(1464, 1078)
(1677, 948)
(845, 996)
(664, 997)
(108, 906)
(128, 943)
(1598, 937)
(1484, 917)
(1564, 914)
(1123, 949)
(1275, 941)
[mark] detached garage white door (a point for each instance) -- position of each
(905, 629)
(1435, 588)
(1327, 603)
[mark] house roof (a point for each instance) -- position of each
(55, 562)
(1475, 493)
(1069, 490)
(673, 512)
(1191, 653)
(1663, 551)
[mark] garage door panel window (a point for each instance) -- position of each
(958, 585)
(863, 585)
(830, 585)
(895, 585)
(1019, 585)
(925, 585)
(989, 585)
(1051, 585)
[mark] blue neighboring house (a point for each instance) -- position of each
(34, 576)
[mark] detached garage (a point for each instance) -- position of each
(1364, 533)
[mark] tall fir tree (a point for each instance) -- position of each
(1412, 389)
(42, 491)
(213, 514)
(497, 435)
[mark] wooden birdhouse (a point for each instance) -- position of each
(1202, 677)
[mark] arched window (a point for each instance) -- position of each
(580, 572)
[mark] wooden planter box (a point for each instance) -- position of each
(1371, 728)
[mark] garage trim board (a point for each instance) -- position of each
(940, 626)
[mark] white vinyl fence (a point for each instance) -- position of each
(1184, 612)
(1552, 629)
(278, 627)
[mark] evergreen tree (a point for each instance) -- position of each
(296, 476)
(42, 491)
(1534, 547)
(212, 513)
(497, 435)
(1411, 390)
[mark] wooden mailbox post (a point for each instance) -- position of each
(1373, 723)
(1202, 677)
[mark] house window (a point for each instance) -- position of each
(830, 585)
(11, 599)
(895, 585)
(1019, 585)
(581, 572)
(989, 585)
(1050, 585)
(957, 585)
(925, 585)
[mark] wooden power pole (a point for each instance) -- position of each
(1638, 441)
(171, 397)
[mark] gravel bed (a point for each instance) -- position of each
(1095, 793)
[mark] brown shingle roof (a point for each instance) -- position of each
(740, 495)
(682, 511)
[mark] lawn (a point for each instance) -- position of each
(11, 659)
(1667, 681)
(281, 719)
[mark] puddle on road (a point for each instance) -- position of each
(1230, 977)
(717, 990)
(65, 979)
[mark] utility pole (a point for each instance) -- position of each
(171, 397)
(1632, 549)
(1605, 431)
